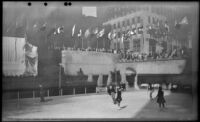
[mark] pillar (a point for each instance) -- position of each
(90, 78)
(100, 80)
(109, 79)
(123, 79)
(136, 82)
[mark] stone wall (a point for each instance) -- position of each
(102, 63)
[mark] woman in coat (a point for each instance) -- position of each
(119, 95)
(160, 98)
(112, 92)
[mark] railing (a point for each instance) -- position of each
(149, 60)
(48, 92)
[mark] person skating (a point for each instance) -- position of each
(160, 98)
(151, 89)
(41, 93)
(119, 95)
(112, 92)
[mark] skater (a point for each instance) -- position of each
(112, 92)
(160, 98)
(151, 88)
(119, 95)
(41, 93)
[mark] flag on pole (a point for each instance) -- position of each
(140, 30)
(80, 33)
(184, 21)
(35, 26)
(60, 30)
(167, 27)
(95, 31)
(109, 35)
(122, 38)
(87, 33)
(101, 33)
(113, 35)
(73, 29)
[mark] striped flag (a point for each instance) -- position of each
(101, 33)
(87, 33)
(73, 29)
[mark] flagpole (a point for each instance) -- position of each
(97, 44)
(82, 42)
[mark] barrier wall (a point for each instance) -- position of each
(103, 63)
(89, 62)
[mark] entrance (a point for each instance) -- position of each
(130, 76)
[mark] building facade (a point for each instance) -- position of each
(141, 42)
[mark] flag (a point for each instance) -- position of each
(184, 21)
(35, 26)
(140, 30)
(60, 30)
(109, 35)
(80, 33)
(73, 29)
(166, 27)
(122, 38)
(101, 33)
(43, 28)
(95, 31)
(113, 35)
(87, 33)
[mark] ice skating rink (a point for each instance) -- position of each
(135, 105)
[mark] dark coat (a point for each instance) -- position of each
(119, 95)
(160, 97)
(111, 90)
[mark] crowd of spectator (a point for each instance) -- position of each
(130, 56)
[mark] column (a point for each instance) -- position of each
(109, 79)
(90, 78)
(136, 82)
(100, 80)
(123, 77)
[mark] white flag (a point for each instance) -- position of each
(80, 33)
(122, 38)
(87, 33)
(73, 30)
(109, 35)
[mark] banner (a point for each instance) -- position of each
(13, 56)
(31, 60)
(19, 58)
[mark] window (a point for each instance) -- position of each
(138, 19)
(114, 26)
(149, 19)
(118, 25)
(126, 45)
(153, 21)
(136, 45)
(128, 23)
(123, 23)
(133, 20)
